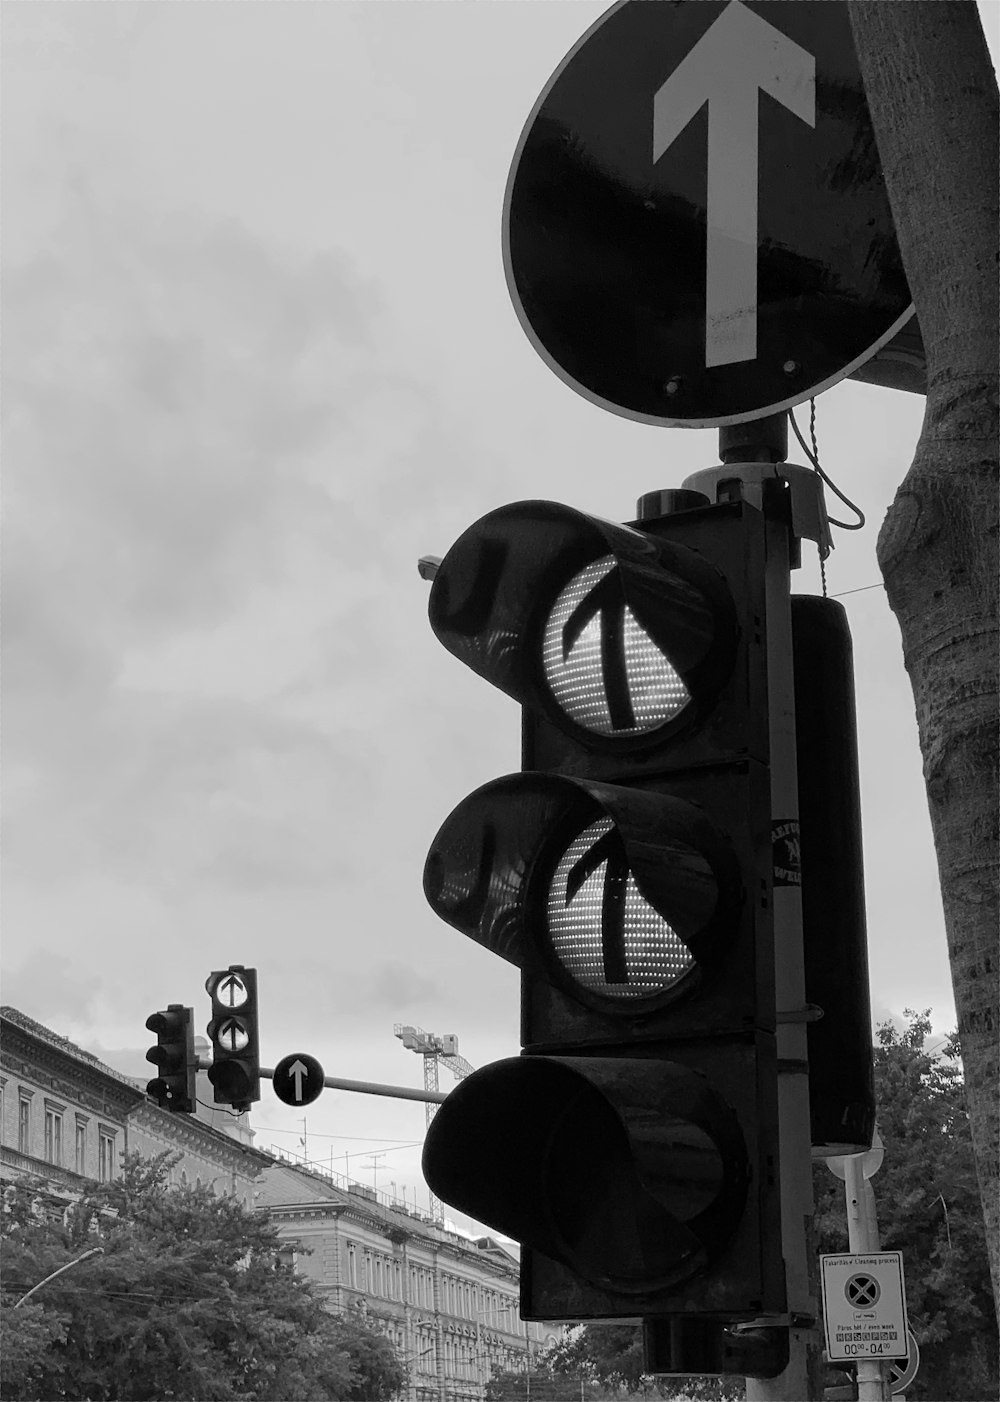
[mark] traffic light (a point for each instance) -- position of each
(632, 1147)
(235, 1069)
(174, 1088)
(835, 946)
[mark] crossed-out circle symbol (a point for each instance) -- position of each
(862, 1291)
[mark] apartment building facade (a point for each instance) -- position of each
(448, 1303)
(66, 1118)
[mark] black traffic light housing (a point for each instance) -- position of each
(175, 1087)
(835, 943)
(233, 1032)
(632, 1147)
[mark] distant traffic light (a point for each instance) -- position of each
(233, 1032)
(632, 1148)
(175, 1087)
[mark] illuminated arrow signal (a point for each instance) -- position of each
(232, 1034)
(604, 670)
(609, 850)
(602, 930)
(235, 988)
(736, 59)
(606, 602)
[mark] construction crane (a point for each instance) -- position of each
(434, 1049)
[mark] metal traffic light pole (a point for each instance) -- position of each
(434, 1097)
(753, 457)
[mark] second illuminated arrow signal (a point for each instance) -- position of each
(231, 1033)
(298, 1079)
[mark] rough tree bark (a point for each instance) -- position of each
(933, 99)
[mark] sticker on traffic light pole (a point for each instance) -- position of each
(298, 1079)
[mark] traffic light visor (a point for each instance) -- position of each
(614, 632)
(633, 1173)
(619, 892)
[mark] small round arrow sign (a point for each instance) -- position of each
(298, 1079)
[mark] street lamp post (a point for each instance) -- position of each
(94, 1251)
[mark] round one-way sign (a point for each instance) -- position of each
(297, 1079)
(696, 228)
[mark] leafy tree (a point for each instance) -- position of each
(610, 1352)
(544, 1385)
(26, 1362)
(378, 1374)
(928, 1206)
(600, 1362)
(188, 1299)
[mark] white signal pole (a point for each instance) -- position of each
(791, 500)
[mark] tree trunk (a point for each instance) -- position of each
(933, 99)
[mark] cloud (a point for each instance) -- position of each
(175, 398)
(165, 387)
(398, 986)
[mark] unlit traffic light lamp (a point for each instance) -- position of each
(632, 1148)
(233, 1032)
(175, 1087)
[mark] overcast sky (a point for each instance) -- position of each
(260, 356)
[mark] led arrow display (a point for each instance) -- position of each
(603, 668)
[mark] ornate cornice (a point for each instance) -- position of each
(194, 1134)
(92, 1085)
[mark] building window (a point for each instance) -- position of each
(352, 1265)
(106, 1156)
(24, 1124)
(81, 1146)
(53, 1135)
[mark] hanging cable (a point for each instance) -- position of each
(813, 456)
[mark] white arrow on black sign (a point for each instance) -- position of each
(696, 226)
(297, 1079)
(739, 57)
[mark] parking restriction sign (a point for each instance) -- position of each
(864, 1305)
